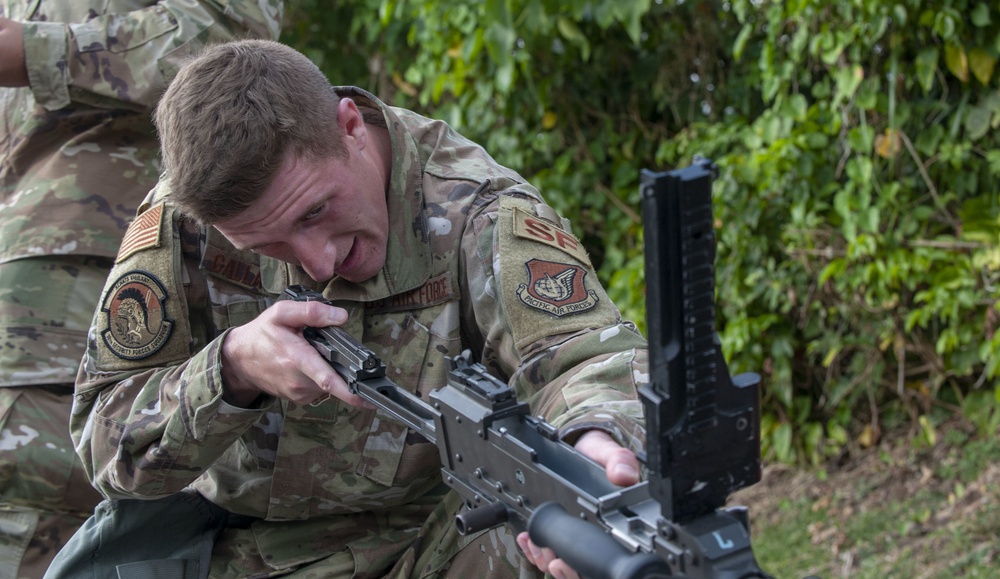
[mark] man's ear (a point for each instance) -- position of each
(352, 123)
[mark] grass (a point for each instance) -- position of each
(900, 510)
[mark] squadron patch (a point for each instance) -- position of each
(556, 288)
(137, 326)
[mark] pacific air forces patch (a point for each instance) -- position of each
(556, 288)
(546, 281)
(137, 326)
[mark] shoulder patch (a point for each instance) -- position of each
(137, 326)
(545, 281)
(556, 288)
(143, 233)
(530, 227)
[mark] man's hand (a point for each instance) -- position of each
(13, 70)
(622, 468)
(269, 355)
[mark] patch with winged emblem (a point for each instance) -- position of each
(136, 326)
(556, 288)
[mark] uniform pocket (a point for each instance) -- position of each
(124, 32)
(404, 342)
(414, 346)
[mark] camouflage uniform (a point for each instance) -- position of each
(475, 260)
(78, 154)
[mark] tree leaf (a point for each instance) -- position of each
(888, 145)
(741, 41)
(926, 64)
(957, 61)
(549, 120)
(982, 63)
(980, 16)
(977, 122)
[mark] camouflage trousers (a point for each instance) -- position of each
(434, 550)
(45, 494)
(46, 304)
(185, 536)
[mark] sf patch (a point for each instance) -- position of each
(556, 288)
(137, 326)
(537, 229)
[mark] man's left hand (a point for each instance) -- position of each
(622, 468)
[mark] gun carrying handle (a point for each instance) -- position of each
(589, 550)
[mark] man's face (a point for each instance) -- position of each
(329, 217)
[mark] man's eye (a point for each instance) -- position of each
(314, 213)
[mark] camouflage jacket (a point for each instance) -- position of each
(78, 151)
(475, 260)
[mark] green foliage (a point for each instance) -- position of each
(857, 204)
(872, 198)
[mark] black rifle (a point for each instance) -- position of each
(702, 428)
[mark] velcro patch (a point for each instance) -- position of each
(137, 326)
(530, 227)
(143, 233)
(556, 288)
(227, 266)
(437, 290)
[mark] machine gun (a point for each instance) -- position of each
(702, 425)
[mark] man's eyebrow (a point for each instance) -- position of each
(246, 247)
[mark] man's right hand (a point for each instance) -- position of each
(269, 355)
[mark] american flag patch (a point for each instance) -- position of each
(143, 233)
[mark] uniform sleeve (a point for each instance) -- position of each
(148, 416)
(127, 59)
(547, 323)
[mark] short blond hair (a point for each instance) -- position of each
(231, 115)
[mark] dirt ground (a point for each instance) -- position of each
(885, 479)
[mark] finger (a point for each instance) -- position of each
(541, 557)
(325, 381)
(311, 364)
(524, 544)
(621, 464)
(561, 570)
(545, 559)
(337, 387)
(297, 315)
(536, 555)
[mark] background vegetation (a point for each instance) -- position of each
(857, 204)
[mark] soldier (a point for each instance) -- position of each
(199, 387)
(78, 154)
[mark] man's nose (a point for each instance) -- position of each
(318, 261)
